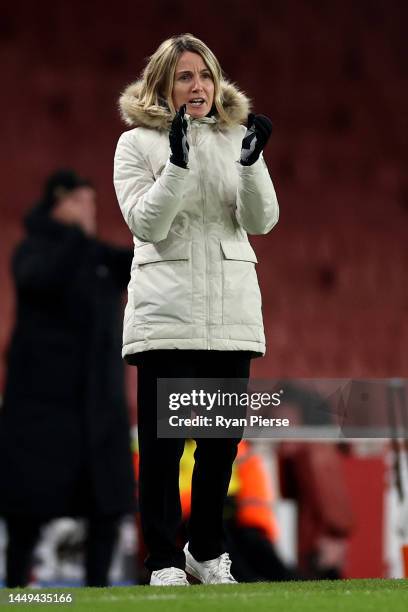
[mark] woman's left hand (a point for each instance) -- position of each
(259, 129)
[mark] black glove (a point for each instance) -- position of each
(259, 129)
(178, 139)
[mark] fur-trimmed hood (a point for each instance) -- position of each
(235, 102)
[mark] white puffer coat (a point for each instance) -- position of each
(193, 280)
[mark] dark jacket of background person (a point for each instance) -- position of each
(64, 431)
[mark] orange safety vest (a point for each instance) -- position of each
(255, 493)
(250, 485)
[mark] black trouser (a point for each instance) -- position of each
(159, 495)
(23, 534)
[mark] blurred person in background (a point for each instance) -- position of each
(191, 183)
(312, 474)
(64, 430)
(251, 526)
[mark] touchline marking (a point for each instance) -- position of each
(170, 596)
(183, 592)
(129, 597)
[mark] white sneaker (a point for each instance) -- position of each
(169, 576)
(214, 571)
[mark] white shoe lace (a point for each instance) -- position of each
(172, 575)
(220, 569)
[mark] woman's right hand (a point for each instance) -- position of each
(178, 139)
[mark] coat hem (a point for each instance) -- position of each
(258, 348)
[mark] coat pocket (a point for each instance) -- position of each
(162, 283)
(241, 296)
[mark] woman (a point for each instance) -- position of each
(64, 431)
(194, 307)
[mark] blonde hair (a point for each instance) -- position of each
(158, 76)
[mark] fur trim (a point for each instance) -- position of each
(235, 102)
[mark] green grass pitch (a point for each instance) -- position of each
(317, 596)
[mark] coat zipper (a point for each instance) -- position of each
(194, 140)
